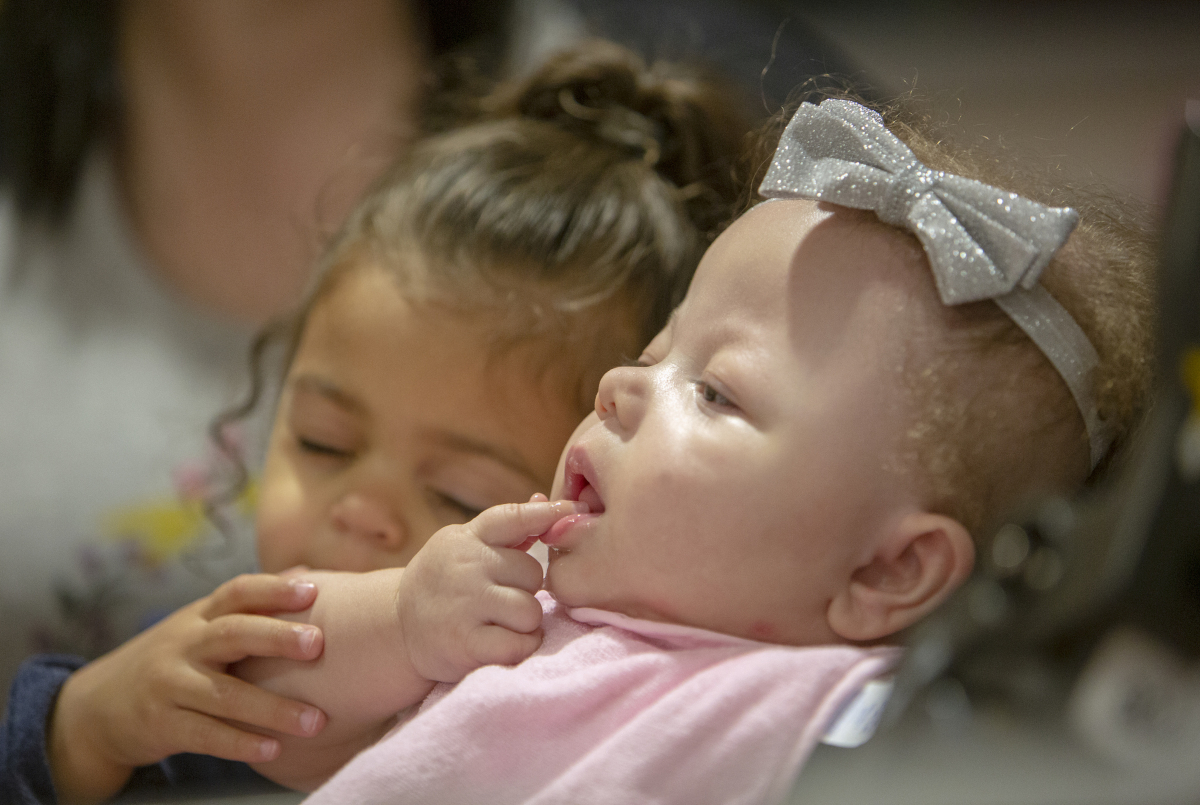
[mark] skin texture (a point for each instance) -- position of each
(466, 600)
(744, 469)
(396, 421)
(740, 479)
(166, 690)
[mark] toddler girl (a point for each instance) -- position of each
(463, 318)
(789, 476)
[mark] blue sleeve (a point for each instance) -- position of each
(25, 774)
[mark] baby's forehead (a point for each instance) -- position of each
(797, 260)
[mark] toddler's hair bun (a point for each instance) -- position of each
(682, 121)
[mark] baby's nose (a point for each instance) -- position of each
(622, 394)
(362, 516)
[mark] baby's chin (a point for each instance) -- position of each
(568, 590)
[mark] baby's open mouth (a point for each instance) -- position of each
(577, 485)
(577, 480)
(591, 497)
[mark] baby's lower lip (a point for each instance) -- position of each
(558, 532)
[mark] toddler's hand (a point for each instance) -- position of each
(167, 691)
(467, 598)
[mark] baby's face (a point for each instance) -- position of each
(394, 421)
(745, 468)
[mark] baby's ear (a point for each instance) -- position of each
(923, 558)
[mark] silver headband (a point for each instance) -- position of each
(982, 242)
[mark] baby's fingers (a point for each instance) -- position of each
(510, 524)
(495, 645)
(511, 568)
(513, 609)
(259, 592)
(230, 698)
(231, 638)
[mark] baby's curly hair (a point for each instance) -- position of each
(993, 421)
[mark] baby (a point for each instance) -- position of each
(789, 476)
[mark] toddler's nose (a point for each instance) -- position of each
(361, 516)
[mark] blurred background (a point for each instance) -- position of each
(1098, 87)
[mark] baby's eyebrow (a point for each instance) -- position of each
(327, 389)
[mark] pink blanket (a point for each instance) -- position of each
(616, 710)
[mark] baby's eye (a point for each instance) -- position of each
(322, 449)
(710, 395)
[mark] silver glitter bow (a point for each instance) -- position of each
(982, 242)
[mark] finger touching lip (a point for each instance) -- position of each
(579, 481)
(591, 497)
(566, 528)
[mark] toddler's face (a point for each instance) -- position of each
(394, 421)
(744, 469)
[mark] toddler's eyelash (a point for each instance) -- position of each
(449, 502)
(316, 448)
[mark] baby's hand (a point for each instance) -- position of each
(467, 598)
(166, 691)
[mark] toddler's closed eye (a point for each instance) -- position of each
(322, 449)
(453, 504)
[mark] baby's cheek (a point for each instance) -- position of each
(670, 490)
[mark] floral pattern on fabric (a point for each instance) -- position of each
(150, 545)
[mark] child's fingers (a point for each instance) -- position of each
(205, 735)
(231, 638)
(259, 592)
(230, 698)
(495, 645)
(509, 524)
(513, 568)
(513, 609)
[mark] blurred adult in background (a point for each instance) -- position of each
(167, 170)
